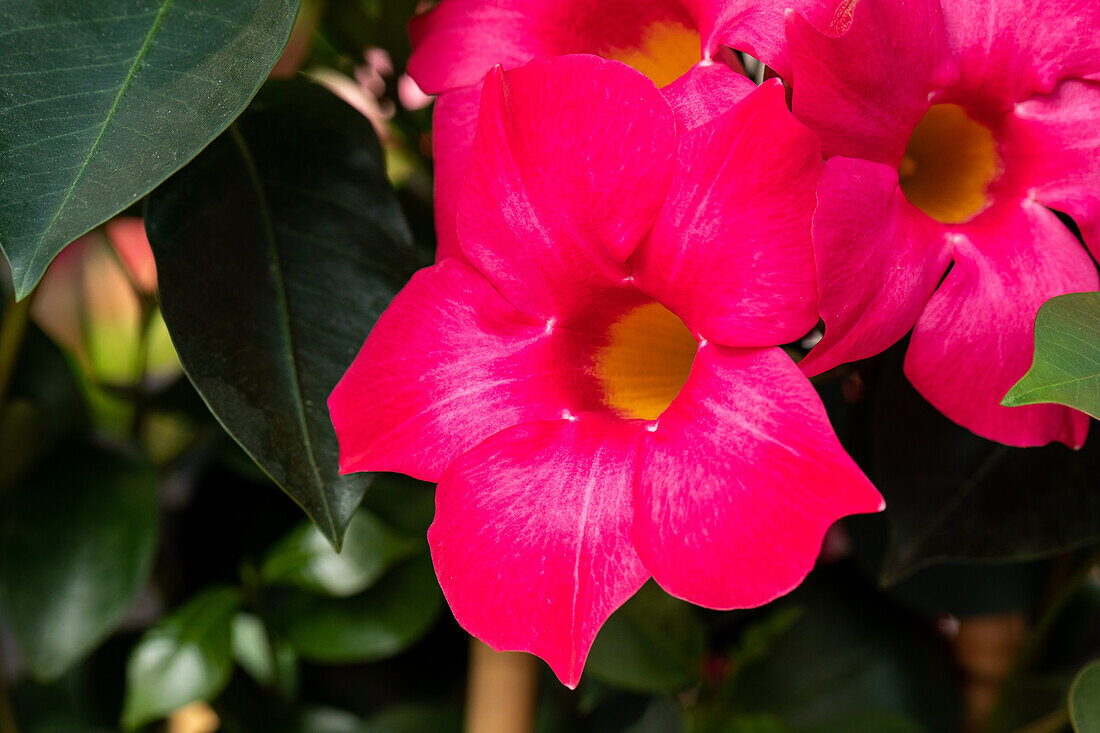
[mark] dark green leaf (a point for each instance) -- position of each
(849, 654)
(277, 250)
(305, 559)
(1084, 700)
(954, 497)
(1066, 369)
(654, 643)
(103, 101)
(184, 658)
(375, 624)
(269, 661)
(401, 502)
(76, 544)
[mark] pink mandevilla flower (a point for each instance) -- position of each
(950, 130)
(595, 385)
(458, 41)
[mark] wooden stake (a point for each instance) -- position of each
(501, 692)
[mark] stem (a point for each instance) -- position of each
(13, 328)
(141, 364)
(254, 597)
(1033, 643)
(1052, 723)
(502, 691)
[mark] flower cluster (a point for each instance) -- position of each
(629, 231)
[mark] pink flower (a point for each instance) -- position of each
(950, 130)
(457, 42)
(595, 385)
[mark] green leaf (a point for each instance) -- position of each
(954, 497)
(76, 544)
(375, 624)
(654, 643)
(1084, 700)
(184, 658)
(267, 660)
(1066, 369)
(849, 654)
(103, 101)
(277, 250)
(305, 559)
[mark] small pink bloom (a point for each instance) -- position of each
(949, 130)
(596, 385)
(458, 41)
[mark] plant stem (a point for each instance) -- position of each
(141, 365)
(1033, 643)
(13, 328)
(502, 691)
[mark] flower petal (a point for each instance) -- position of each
(753, 26)
(862, 81)
(740, 481)
(571, 163)
(1008, 50)
(448, 364)
(730, 253)
(531, 539)
(1053, 142)
(458, 41)
(707, 91)
(878, 261)
(454, 120)
(974, 339)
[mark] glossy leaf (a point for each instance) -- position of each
(375, 624)
(1084, 700)
(76, 546)
(1066, 369)
(184, 658)
(103, 101)
(305, 559)
(954, 497)
(277, 249)
(654, 643)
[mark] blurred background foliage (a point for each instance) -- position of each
(153, 577)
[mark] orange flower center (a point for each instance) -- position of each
(666, 52)
(646, 362)
(949, 163)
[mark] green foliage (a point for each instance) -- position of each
(270, 291)
(845, 656)
(654, 643)
(271, 662)
(1066, 369)
(1084, 700)
(75, 548)
(184, 658)
(372, 625)
(954, 497)
(305, 559)
(102, 102)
